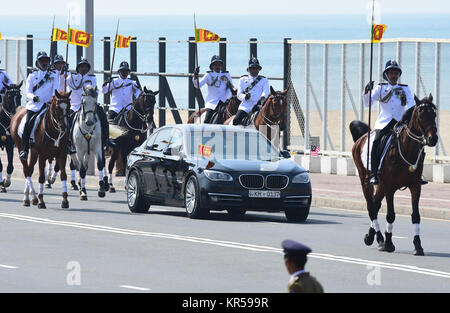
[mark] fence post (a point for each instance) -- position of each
(79, 55)
(133, 54)
(325, 99)
(191, 67)
(53, 50)
(307, 111)
(417, 86)
(223, 52)
(361, 80)
(29, 54)
(162, 87)
(437, 83)
(286, 85)
(106, 64)
(343, 111)
(253, 48)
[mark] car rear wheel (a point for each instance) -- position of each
(135, 199)
(297, 214)
(192, 199)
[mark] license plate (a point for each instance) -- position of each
(263, 194)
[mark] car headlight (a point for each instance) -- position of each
(302, 178)
(217, 176)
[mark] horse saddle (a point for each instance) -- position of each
(219, 113)
(383, 146)
(36, 119)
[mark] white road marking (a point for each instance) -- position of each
(8, 266)
(398, 237)
(135, 288)
(228, 244)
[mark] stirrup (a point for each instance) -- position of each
(373, 180)
(23, 155)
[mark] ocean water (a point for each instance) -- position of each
(270, 32)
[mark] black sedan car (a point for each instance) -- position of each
(215, 167)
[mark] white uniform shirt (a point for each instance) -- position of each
(45, 92)
(392, 108)
(122, 93)
(260, 89)
(4, 81)
(61, 79)
(75, 83)
(217, 87)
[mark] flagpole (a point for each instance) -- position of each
(51, 36)
(67, 52)
(114, 54)
(370, 91)
(198, 92)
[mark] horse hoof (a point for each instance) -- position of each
(74, 185)
(101, 194)
(26, 203)
(65, 205)
(386, 247)
(112, 189)
(35, 201)
(369, 237)
(48, 186)
(41, 206)
(83, 198)
(106, 184)
(419, 252)
(6, 183)
(3, 189)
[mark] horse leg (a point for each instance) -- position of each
(100, 167)
(415, 217)
(33, 160)
(390, 218)
(41, 204)
(52, 176)
(368, 195)
(83, 192)
(26, 195)
(10, 167)
(73, 169)
(379, 195)
(111, 163)
(2, 187)
(61, 161)
(49, 173)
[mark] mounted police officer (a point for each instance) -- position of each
(295, 258)
(253, 90)
(60, 68)
(41, 86)
(123, 89)
(76, 82)
(4, 82)
(394, 100)
(219, 86)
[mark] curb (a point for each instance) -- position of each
(347, 204)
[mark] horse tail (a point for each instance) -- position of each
(358, 129)
(116, 131)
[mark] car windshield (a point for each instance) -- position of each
(231, 145)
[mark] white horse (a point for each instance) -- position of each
(87, 140)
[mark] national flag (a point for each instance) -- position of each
(377, 32)
(79, 38)
(59, 34)
(203, 35)
(122, 41)
(0, 36)
(315, 151)
(204, 150)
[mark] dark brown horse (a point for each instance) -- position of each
(402, 168)
(11, 101)
(230, 110)
(51, 139)
(137, 121)
(272, 114)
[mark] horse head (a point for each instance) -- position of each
(423, 120)
(89, 105)
(59, 107)
(145, 104)
(12, 98)
(234, 102)
(275, 106)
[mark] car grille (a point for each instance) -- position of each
(276, 181)
(252, 181)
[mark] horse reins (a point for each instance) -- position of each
(267, 120)
(142, 117)
(56, 125)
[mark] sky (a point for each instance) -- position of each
(230, 7)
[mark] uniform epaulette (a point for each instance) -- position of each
(224, 71)
(208, 71)
(382, 84)
(244, 75)
(92, 75)
(263, 76)
(403, 85)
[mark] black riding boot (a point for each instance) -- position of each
(238, 118)
(26, 135)
(71, 120)
(375, 160)
(209, 115)
(105, 128)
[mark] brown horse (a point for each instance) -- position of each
(402, 168)
(272, 114)
(51, 139)
(230, 110)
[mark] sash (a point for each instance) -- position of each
(42, 82)
(257, 80)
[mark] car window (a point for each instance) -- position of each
(162, 139)
(177, 139)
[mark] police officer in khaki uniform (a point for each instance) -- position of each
(295, 260)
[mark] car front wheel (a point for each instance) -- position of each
(192, 199)
(135, 199)
(297, 214)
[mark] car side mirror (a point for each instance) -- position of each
(171, 151)
(152, 147)
(285, 154)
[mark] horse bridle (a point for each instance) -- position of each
(9, 114)
(277, 121)
(141, 115)
(55, 123)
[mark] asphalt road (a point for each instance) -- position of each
(99, 246)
